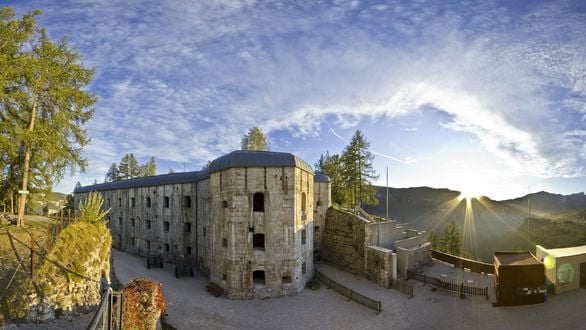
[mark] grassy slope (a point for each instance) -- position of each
(15, 257)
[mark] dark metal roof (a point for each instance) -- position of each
(244, 158)
(320, 177)
(148, 181)
(239, 158)
(516, 258)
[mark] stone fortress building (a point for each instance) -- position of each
(252, 220)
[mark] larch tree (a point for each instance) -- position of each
(44, 105)
(150, 167)
(255, 140)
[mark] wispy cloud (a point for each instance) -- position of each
(186, 79)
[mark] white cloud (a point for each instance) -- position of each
(185, 79)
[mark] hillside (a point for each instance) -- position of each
(485, 223)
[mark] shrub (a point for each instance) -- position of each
(91, 208)
(142, 304)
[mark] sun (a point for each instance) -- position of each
(469, 193)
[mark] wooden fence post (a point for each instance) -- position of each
(32, 256)
(48, 236)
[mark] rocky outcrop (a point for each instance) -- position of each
(73, 275)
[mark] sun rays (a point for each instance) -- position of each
(485, 224)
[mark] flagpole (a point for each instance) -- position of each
(387, 193)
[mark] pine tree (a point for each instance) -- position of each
(112, 174)
(129, 168)
(331, 166)
(451, 241)
(358, 171)
(434, 240)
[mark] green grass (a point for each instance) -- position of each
(15, 260)
(66, 261)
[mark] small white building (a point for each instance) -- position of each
(565, 268)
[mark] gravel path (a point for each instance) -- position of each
(190, 306)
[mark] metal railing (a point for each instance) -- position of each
(109, 312)
(349, 293)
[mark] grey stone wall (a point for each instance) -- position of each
(345, 240)
(285, 255)
(154, 219)
(350, 243)
(322, 199)
(216, 221)
(379, 265)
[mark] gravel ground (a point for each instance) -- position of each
(190, 306)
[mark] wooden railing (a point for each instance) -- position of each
(449, 286)
(461, 263)
(349, 293)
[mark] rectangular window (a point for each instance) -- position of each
(132, 202)
(166, 226)
(132, 222)
(188, 250)
(187, 227)
(120, 221)
(187, 201)
(258, 242)
(166, 247)
(148, 245)
(148, 224)
(304, 268)
(119, 201)
(204, 231)
(303, 236)
(148, 202)
(166, 202)
(224, 242)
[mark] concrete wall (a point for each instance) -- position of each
(558, 275)
(384, 234)
(411, 259)
(380, 264)
(410, 243)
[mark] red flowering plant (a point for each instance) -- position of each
(142, 304)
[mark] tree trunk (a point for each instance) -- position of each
(25, 167)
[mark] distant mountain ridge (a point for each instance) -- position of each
(551, 203)
(484, 222)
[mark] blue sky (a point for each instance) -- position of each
(487, 97)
